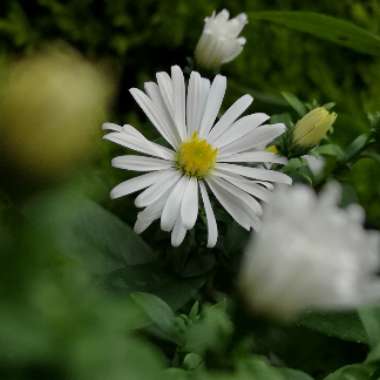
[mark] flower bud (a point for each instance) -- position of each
(219, 42)
(313, 127)
(51, 108)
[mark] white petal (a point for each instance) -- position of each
(130, 138)
(189, 207)
(178, 233)
(153, 90)
(172, 206)
(154, 192)
(195, 102)
(260, 136)
(141, 225)
(253, 206)
(111, 127)
(208, 50)
(153, 212)
(267, 185)
(232, 204)
(135, 184)
(241, 128)
(258, 156)
(245, 184)
(229, 117)
(256, 173)
(179, 100)
(234, 50)
(212, 227)
(315, 163)
(140, 163)
(166, 88)
(206, 86)
(214, 101)
(238, 23)
(151, 110)
(223, 15)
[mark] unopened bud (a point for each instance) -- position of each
(220, 42)
(313, 127)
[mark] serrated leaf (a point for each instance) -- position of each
(329, 28)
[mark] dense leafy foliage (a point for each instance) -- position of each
(83, 297)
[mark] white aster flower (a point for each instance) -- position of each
(310, 254)
(219, 42)
(203, 155)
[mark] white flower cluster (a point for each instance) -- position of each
(310, 254)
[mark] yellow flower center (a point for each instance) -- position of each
(196, 157)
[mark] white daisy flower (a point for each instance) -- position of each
(220, 42)
(310, 254)
(202, 155)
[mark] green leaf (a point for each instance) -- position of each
(353, 372)
(210, 332)
(329, 28)
(150, 278)
(259, 369)
(261, 97)
(373, 156)
(295, 103)
(374, 355)
(370, 316)
(346, 326)
(158, 312)
(356, 146)
(332, 150)
(293, 374)
(88, 233)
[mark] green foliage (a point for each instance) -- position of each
(84, 297)
(347, 326)
(330, 28)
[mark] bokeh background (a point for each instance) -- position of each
(73, 61)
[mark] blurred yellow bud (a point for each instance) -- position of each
(313, 127)
(51, 108)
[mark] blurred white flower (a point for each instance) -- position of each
(219, 42)
(310, 254)
(203, 155)
(315, 163)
